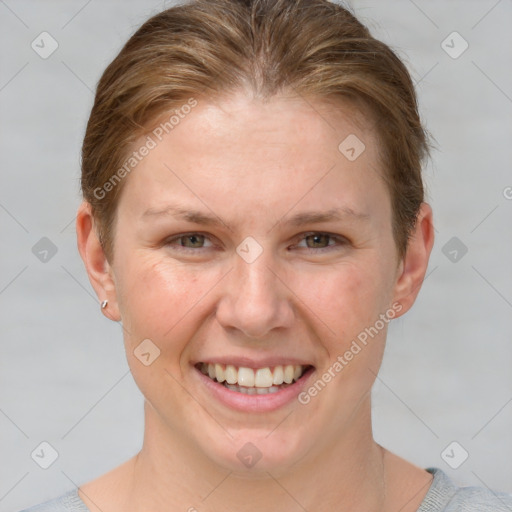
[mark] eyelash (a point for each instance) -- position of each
(341, 241)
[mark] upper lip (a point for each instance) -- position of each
(248, 362)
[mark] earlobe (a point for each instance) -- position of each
(413, 267)
(97, 266)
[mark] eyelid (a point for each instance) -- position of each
(173, 238)
(339, 239)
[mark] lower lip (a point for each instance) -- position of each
(254, 403)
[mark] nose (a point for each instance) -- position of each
(255, 300)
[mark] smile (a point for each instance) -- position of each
(257, 381)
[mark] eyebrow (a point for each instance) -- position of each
(207, 219)
(316, 217)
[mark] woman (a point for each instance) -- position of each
(254, 216)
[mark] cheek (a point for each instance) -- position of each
(159, 297)
(345, 298)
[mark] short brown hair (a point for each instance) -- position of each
(316, 48)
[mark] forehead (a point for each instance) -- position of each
(239, 121)
(235, 151)
(286, 119)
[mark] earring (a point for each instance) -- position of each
(104, 304)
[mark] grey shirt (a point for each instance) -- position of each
(443, 496)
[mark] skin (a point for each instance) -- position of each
(254, 165)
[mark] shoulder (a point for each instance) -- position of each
(445, 496)
(69, 502)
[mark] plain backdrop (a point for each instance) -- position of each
(447, 374)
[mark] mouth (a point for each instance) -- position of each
(254, 381)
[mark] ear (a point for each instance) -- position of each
(98, 268)
(413, 267)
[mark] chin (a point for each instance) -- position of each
(250, 454)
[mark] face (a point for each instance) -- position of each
(247, 239)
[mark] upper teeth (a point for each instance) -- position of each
(260, 378)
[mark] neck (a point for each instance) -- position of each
(346, 472)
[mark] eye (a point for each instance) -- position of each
(321, 241)
(315, 241)
(188, 241)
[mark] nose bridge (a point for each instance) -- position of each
(255, 301)
(255, 279)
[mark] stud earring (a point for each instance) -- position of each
(104, 304)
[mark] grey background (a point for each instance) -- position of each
(64, 378)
